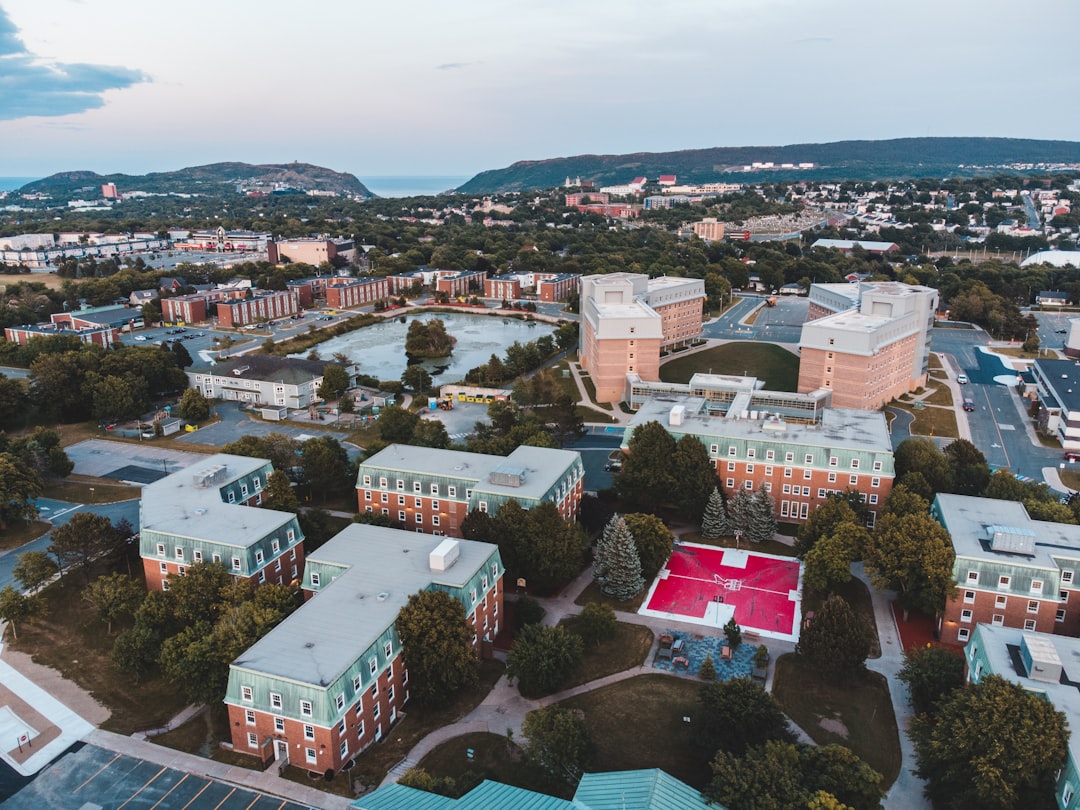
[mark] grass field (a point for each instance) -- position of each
(941, 395)
(777, 367)
(638, 723)
(51, 280)
(858, 712)
(592, 593)
(931, 420)
(19, 533)
(626, 649)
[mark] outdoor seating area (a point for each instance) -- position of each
(684, 652)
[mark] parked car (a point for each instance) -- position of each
(969, 405)
(1072, 455)
(962, 379)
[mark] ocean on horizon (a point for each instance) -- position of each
(411, 185)
(12, 183)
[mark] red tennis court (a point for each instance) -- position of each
(708, 585)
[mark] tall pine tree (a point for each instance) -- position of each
(763, 517)
(741, 511)
(715, 522)
(616, 565)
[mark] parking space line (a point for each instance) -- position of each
(218, 805)
(174, 787)
(197, 795)
(144, 787)
(254, 801)
(63, 512)
(96, 773)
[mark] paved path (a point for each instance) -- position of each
(906, 792)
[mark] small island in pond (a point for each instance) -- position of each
(428, 339)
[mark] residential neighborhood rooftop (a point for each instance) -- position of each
(975, 524)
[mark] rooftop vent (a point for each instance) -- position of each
(210, 476)
(444, 555)
(507, 475)
(676, 415)
(1041, 658)
(240, 370)
(1011, 539)
(381, 597)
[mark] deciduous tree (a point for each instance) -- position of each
(991, 745)
(326, 465)
(738, 714)
(335, 382)
(912, 555)
(823, 521)
(596, 623)
(694, 475)
(194, 407)
(113, 596)
(82, 539)
(34, 569)
(15, 608)
(828, 563)
(646, 479)
(558, 741)
(543, 658)
(837, 640)
(19, 485)
(931, 674)
(436, 643)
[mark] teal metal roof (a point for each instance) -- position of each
(397, 797)
(488, 795)
(638, 790)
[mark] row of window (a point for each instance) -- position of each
(1003, 601)
(433, 489)
(789, 457)
(197, 556)
(1005, 581)
(998, 620)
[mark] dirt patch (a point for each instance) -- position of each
(50, 280)
(834, 726)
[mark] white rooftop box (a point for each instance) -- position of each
(444, 555)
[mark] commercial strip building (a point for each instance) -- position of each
(210, 513)
(628, 319)
(1010, 570)
(1045, 665)
(429, 490)
(798, 450)
(869, 342)
(329, 680)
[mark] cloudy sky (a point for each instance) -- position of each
(375, 87)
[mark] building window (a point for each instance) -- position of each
(877, 466)
(400, 500)
(236, 563)
(854, 464)
(833, 461)
(383, 498)
(1066, 795)
(749, 469)
(965, 615)
(305, 708)
(787, 472)
(787, 489)
(181, 570)
(217, 558)
(962, 634)
(1001, 601)
(401, 516)
(1033, 606)
(969, 597)
(1036, 586)
(360, 730)
(1063, 597)
(400, 485)
(731, 450)
(309, 732)
(875, 482)
(770, 455)
(419, 503)
(367, 494)
(751, 453)
(344, 750)
(417, 486)
(258, 558)
(376, 710)
(275, 546)
(316, 580)
(973, 577)
(1029, 625)
(807, 474)
(998, 619)
(1059, 616)
(388, 649)
(806, 493)
(279, 724)
(748, 485)
(339, 701)
(853, 480)
(232, 497)
(434, 520)
(245, 693)
(434, 505)
(311, 758)
(1003, 581)
(821, 492)
(451, 492)
(434, 489)
(290, 535)
(768, 470)
(419, 517)
(161, 549)
(253, 740)
(382, 483)
(164, 567)
(243, 489)
(832, 478)
(1066, 577)
(275, 700)
(873, 498)
(483, 506)
(249, 717)
(731, 466)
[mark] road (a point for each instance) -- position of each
(779, 324)
(59, 513)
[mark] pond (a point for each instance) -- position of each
(380, 348)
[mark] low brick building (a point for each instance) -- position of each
(346, 293)
(210, 513)
(1010, 570)
(330, 680)
(263, 305)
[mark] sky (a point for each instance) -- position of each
(436, 88)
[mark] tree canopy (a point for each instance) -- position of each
(913, 555)
(543, 658)
(436, 643)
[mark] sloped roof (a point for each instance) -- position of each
(651, 789)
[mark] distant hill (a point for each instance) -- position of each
(843, 160)
(206, 179)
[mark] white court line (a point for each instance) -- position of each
(63, 512)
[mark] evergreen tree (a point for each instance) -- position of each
(707, 671)
(741, 511)
(715, 522)
(733, 633)
(617, 566)
(762, 517)
(837, 640)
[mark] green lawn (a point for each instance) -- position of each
(857, 712)
(592, 593)
(931, 420)
(627, 648)
(767, 547)
(777, 367)
(19, 533)
(638, 723)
